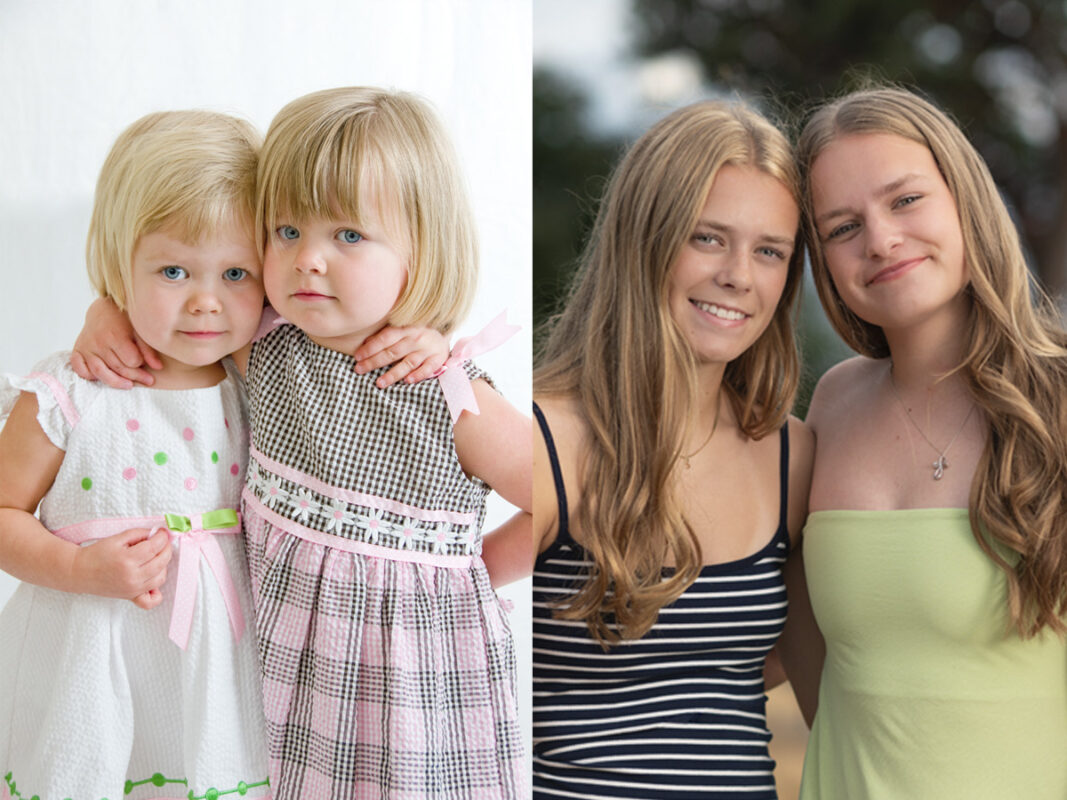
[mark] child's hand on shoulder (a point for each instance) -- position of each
(108, 349)
(416, 353)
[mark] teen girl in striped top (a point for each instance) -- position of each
(670, 482)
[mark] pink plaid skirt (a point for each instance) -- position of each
(383, 678)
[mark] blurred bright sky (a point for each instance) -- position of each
(589, 42)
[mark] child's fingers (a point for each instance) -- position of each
(146, 546)
(399, 371)
(148, 600)
(103, 373)
(156, 580)
(372, 345)
(157, 563)
(81, 369)
(150, 356)
(126, 352)
(428, 369)
(135, 375)
(382, 357)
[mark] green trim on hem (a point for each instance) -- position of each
(156, 780)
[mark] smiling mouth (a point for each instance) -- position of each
(720, 312)
(895, 270)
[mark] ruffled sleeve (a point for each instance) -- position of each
(61, 396)
(474, 372)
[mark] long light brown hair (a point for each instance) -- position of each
(1015, 363)
(616, 349)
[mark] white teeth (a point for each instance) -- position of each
(716, 311)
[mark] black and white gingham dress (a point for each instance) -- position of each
(388, 664)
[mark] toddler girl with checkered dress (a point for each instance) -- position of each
(388, 664)
(387, 661)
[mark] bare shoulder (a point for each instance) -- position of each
(563, 415)
(567, 432)
(841, 388)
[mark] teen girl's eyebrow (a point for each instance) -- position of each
(889, 188)
(718, 227)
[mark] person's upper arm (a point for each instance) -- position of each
(29, 461)
(801, 645)
(495, 445)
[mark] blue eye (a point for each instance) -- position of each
(234, 274)
(841, 230)
(350, 236)
(288, 232)
(174, 273)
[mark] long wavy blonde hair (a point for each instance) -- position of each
(1015, 363)
(616, 349)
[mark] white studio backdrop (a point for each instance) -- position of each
(76, 74)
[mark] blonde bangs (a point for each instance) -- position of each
(192, 172)
(330, 153)
(332, 172)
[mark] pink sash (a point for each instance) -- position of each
(196, 534)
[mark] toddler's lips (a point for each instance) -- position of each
(202, 334)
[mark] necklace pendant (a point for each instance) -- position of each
(939, 468)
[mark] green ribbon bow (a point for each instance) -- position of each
(220, 518)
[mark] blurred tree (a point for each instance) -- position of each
(999, 66)
(571, 163)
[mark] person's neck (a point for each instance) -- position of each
(923, 354)
(176, 375)
(347, 343)
(708, 395)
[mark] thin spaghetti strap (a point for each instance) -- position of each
(783, 520)
(563, 534)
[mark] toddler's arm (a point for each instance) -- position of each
(416, 354)
(496, 445)
(508, 550)
(128, 565)
(108, 349)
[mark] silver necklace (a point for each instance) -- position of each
(714, 425)
(941, 463)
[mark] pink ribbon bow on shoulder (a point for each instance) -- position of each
(455, 385)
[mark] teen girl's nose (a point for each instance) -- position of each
(881, 235)
(735, 271)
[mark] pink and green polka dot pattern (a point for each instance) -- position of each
(160, 458)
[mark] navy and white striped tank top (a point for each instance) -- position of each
(676, 715)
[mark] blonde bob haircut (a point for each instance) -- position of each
(1015, 361)
(617, 350)
(193, 171)
(330, 153)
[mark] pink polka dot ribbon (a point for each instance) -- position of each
(455, 385)
(197, 539)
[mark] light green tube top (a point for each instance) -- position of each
(926, 693)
